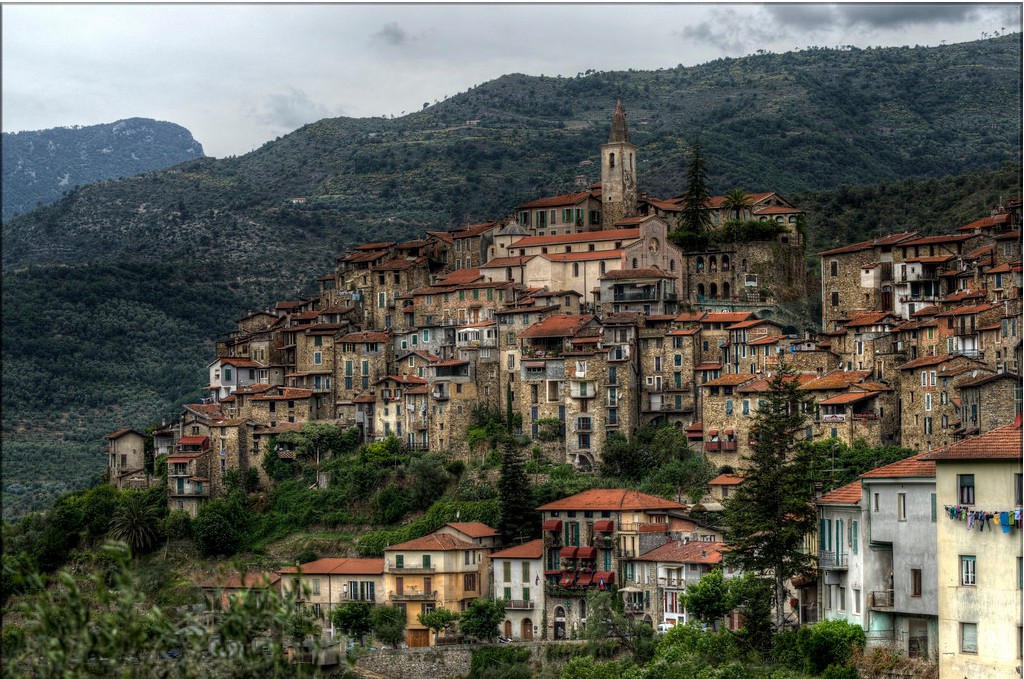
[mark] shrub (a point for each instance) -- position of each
(178, 525)
(500, 661)
(829, 642)
(839, 672)
(305, 556)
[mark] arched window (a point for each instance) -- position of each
(700, 289)
(634, 263)
(700, 265)
(712, 263)
(725, 290)
(725, 262)
(611, 160)
(576, 269)
(792, 219)
(714, 290)
(602, 268)
(743, 266)
(672, 265)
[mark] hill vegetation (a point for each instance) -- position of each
(40, 166)
(113, 297)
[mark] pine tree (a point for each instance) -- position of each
(695, 218)
(517, 513)
(770, 514)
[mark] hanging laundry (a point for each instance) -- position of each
(970, 521)
(1004, 518)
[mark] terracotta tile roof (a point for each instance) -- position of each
(205, 409)
(193, 440)
(985, 379)
(690, 552)
(776, 210)
(709, 366)
(872, 318)
(837, 379)
(534, 549)
(398, 264)
(986, 222)
(362, 337)
(284, 394)
(685, 331)
(846, 495)
(1009, 235)
(730, 380)
(966, 294)
(441, 235)
(1002, 268)
(771, 339)
(913, 466)
(472, 230)
(504, 262)
(376, 246)
(237, 581)
(969, 309)
(629, 274)
(937, 259)
(726, 480)
(937, 240)
(119, 433)
(926, 361)
(750, 323)
(1003, 443)
(402, 379)
(475, 529)
(554, 201)
(583, 237)
(850, 397)
(435, 542)
(891, 239)
(558, 325)
(762, 385)
(461, 277)
(726, 316)
(364, 398)
(927, 311)
(582, 256)
(339, 566)
(616, 499)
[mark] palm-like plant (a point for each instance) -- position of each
(135, 523)
(737, 201)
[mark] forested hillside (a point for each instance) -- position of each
(39, 166)
(113, 296)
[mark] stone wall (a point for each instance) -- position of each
(446, 662)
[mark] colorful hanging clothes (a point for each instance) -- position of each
(1004, 520)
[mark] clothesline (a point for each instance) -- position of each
(980, 519)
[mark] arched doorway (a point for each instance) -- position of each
(508, 629)
(527, 630)
(714, 290)
(559, 622)
(725, 290)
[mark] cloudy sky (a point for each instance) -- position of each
(239, 75)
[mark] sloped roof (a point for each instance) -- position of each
(583, 237)
(461, 277)
(534, 549)
(121, 432)
(726, 480)
(1002, 443)
(581, 256)
(913, 466)
(339, 566)
(475, 529)
(435, 542)
(891, 239)
(472, 230)
(614, 499)
(730, 380)
(690, 552)
(557, 325)
(846, 495)
(627, 274)
(554, 201)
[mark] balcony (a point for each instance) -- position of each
(672, 583)
(618, 354)
(441, 394)
(728, 445)
(832, 561)
(880, 599)
(407, 569)
(191, 490)
(582, 390)
(712, 446)
(634, 607)
(518, 605)
(412, 595)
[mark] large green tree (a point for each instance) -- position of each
(737, 201)
(708, 599)
(606, 619)
(388, 624)
(439, 619)
(695, 218)
(482, 618)
(353, 619)
(771, 512)
(136, 523)
(518, 517)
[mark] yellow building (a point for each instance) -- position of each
(438, 570)
(331, 582)
(978, 487)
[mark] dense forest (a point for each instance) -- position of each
(39, 166)
(113, 296)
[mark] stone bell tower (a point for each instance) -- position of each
(618, 173)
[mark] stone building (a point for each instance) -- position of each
(326, 584)
(126, 459)
(188, 474)
(858, 278)
(927, 388)
(618, 171)
(657, 581)
(588, 538)
(986, 403)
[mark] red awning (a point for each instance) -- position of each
(192, 440)
(585, 579)
(586, 553)
(713, 432)
(552, 524)
(567, 579)
(604, 578)
(568, 552)
(729, 432)
(604, 526)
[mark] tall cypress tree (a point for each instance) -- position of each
(770, 514)
(517, 517)
(695, 218)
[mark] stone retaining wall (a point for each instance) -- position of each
(445, 662)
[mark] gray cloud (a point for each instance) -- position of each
(886, 15)
(802, 16)
(392, 34)
(290, 110)
(726, 31)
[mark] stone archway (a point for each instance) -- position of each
(559, 623)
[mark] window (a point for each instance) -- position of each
(968, 572)
(934, 508)
(854, 535)
(915, 582)
(901, 506)
(876, 502)
(318, 358)
(316, 586)
(426, 561)
(835, 299)
(1018, 489)
(968, 637)
(856, 601)
(525, 568)
(965, 484)
(506, 569)
(469, 582)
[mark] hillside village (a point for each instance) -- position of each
(579, 315)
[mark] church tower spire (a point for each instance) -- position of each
(618, 172)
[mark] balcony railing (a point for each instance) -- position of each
(633, 607)
(412, 595)
(832, 560)
(441, 394)
(518, 605)
(881, 599)
(728, 445)
(408, 569)
(190, 491)
(677, 583)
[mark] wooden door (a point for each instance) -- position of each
(417, 638)
(527, 630)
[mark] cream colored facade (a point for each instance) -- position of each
(981, 602)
